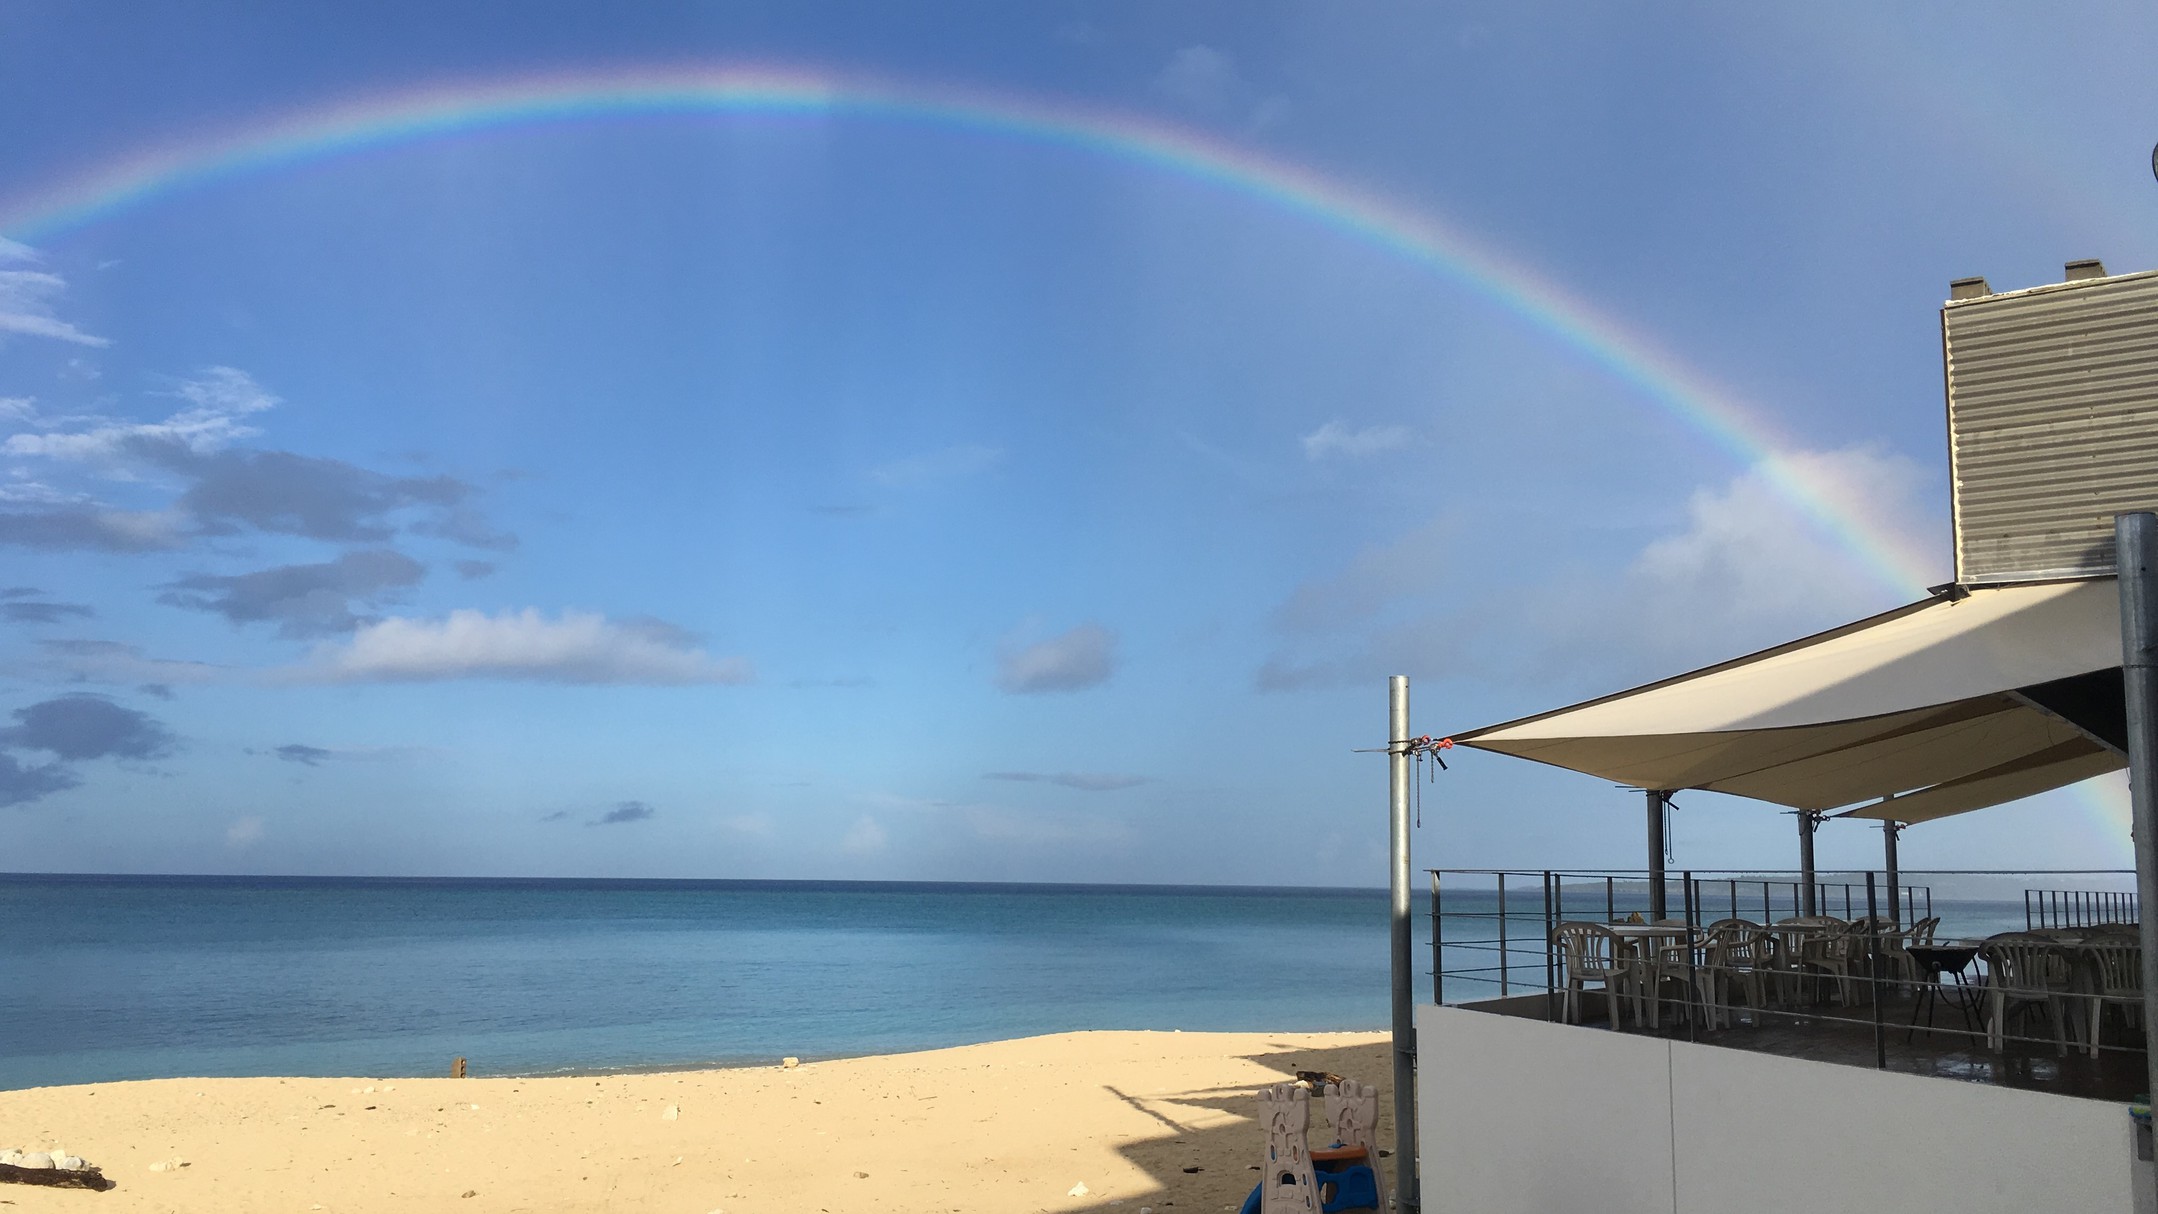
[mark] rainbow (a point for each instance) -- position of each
(441, 111)
(445, 110)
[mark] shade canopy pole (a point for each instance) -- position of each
(1889, 830)
(1657, 897)
(1397, 750)
(1807, 822)
(2135, 538)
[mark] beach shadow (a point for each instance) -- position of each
(1227, 1153)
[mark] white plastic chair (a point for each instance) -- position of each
(2025, 971)
(2116, 975)
(1589, 953)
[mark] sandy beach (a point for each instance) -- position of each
(1142, 1119)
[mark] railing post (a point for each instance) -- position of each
(1505, 987)
(1550, 972)
(1693, 979)
(1873, 973)
(1438, 954)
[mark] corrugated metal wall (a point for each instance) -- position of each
(2052, 424)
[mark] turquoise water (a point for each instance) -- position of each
(108, 978)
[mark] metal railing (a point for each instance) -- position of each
(2045, 909)
(1739, 964)
(1524, 905)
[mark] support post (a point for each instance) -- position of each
(1397, 748)
(1889, 831)
(1658, 900)
(1806, 903)
(2135, 538)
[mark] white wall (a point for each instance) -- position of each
(1522, 1115)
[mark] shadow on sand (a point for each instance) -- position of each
(1170, 1156)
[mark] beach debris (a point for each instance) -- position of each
(673, 1113)
(1078, 1190)
(54, 1168)
(1194, 1168)
(789, 1063)
(1315, 1081)
(168, 1165)
(861, 1175)
(470, 1193)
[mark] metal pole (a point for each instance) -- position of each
(2135, 537)
(1656, 899)
(1889, 831)
(1397, 746)
(1807, 905)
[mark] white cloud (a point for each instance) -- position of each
(243, 832)
(1206, 82)
(576, 647)
(1083, 657)
(1335, 438)
(952, 463)
(1034, 827)
(1084, 781)
(217, 399)
(113, 663)
(1747, 569)
(1764, 570)
(864, 837)
(26, 302)
(1201, 78)
(15, 250)
(1375, 581)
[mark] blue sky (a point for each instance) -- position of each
(831, 495)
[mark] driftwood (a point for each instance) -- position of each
(56, 1178)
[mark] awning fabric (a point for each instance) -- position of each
(1947, 705)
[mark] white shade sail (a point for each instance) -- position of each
(1947, 705)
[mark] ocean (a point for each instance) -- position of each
(113, 978)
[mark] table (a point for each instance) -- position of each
(1944, 958)
(1641, 940)
(1634, 933)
